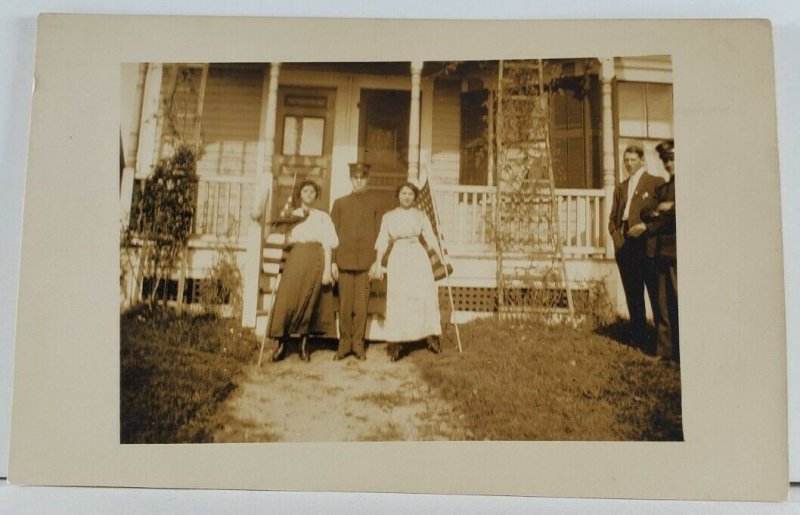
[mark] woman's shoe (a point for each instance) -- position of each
(393, 350)
(279, 353)
(433, 344)
(304, 355)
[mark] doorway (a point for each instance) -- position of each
(303, 143)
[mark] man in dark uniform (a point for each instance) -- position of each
(662, 249)
(357, 218)
(634, 196)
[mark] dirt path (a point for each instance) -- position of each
(326, 400)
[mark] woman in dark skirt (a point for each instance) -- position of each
(304, 301)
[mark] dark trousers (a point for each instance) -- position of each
(636, 271)
(667, 313)
(353, 300)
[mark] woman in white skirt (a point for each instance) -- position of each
(412, 297)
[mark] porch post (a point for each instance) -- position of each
(413, 121)
(128, 172)
(609, 168)
(148, 131)
(259, 209)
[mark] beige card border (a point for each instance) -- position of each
(65, 423)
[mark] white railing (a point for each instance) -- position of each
(223, 206)
(467, 212)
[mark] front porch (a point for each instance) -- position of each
(260, 124)
(465, 214)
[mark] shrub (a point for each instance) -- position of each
(223, 284)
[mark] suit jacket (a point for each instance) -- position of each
(357, 219)
(643, 201)
(662, 225)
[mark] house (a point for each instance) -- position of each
(259, 124)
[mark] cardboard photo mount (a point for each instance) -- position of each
(65, 418)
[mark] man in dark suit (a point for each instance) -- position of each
(357, 219)
(634, 196)
(662, 249)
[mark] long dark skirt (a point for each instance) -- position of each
(302, 305)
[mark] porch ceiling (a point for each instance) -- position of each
(453, 69)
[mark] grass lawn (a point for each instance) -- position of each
(538, 382)
(175, 371)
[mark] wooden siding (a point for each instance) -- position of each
(179, 101)
(446, 143)
(231, 121)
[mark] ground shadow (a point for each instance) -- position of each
(619, 331)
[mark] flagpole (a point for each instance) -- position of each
(446, 272)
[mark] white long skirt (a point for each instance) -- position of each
(412, 297)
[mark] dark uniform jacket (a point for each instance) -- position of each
(662, 225)
(357, 219)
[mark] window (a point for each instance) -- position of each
(645, 118)
(645, 110)
(575, 121)
(383, 134)
(575, 124)
(474, 162)
(303, 136)
(567, 140)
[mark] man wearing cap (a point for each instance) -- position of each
(357, 219)
(662, 249)
(634, 196)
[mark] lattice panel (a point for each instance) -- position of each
(480, 300)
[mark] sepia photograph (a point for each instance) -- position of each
(378, 256)
(398, 251)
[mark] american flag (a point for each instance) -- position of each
(275, 250)
(425, 204)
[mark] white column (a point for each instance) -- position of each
(413, 122)
(490, 113)
(260, 208)
(609, 164)
(149, 126)
(131, 149)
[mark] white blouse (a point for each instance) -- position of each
(401, 223)
(317, 227)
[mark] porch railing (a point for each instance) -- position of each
(223, 207)
(467, 212)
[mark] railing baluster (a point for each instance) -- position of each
(460, 222)
(598, 241)
(473, 223)
(227, 223)
(241, 220)
(212, 226)
(587, 222)
(567, 227)
(484, 210)
(199, 209)
(580, 221)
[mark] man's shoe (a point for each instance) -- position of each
(434, 345)
(304, 355)
(279, 353)
(393, 350)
